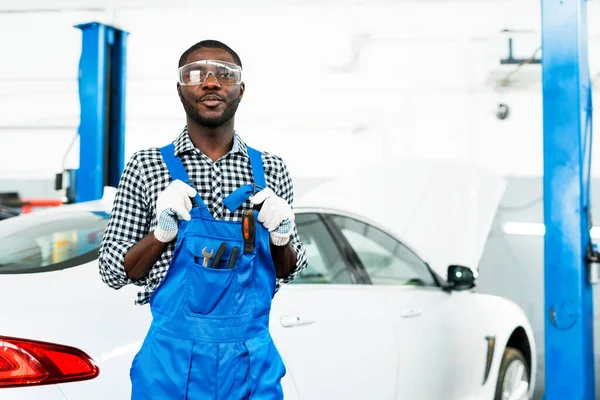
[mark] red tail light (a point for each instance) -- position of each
(28, 362)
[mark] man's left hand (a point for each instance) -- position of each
(276, 215)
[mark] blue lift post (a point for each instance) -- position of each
(567, 103)
(102, 123)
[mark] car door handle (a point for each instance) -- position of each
(288, 321)
(410, 312)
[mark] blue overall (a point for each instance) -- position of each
(209, 338)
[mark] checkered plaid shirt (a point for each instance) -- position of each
(145, 176)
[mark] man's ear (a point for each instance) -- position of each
(242, 89)
(179, 89)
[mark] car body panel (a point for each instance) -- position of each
(343, 332)
(56, 307)
(488, 316)
(49, 392)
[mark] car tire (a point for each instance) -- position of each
(513, 377)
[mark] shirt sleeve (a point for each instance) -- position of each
(285, 190)
(129, 222)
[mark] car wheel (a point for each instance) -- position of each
(513, 378)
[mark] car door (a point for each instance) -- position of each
(420, 310)
(334, 334)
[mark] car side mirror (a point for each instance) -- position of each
(461, 277)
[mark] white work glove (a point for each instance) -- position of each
(172, 204)
(276, 215)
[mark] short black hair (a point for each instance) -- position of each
(209, 44)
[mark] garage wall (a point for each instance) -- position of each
(330, 88)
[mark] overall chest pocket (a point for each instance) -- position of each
(219, 279)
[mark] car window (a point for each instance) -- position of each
(386, 260)
(325, 262)
(69, 240)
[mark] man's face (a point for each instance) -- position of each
(210, 104)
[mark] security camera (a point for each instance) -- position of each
(502, 112)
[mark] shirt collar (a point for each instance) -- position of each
(183, 144)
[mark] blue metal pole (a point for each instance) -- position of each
(569, 351)
(117, 106)
(102, 120)
(92, 82)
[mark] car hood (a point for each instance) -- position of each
(442, 209)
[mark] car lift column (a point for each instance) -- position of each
(102, 125)
(567, 103)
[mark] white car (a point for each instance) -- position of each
(368, 319)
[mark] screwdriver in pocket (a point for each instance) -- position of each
(233, 259)
(222, 247)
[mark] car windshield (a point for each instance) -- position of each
(50, 242)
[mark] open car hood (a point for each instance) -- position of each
(442, 209)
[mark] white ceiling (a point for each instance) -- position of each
(13, 6)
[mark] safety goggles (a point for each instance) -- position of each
(197, 73)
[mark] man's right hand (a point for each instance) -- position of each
(172, 204)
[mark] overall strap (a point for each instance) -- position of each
(241, 194)
(177, 171)
(257, 167)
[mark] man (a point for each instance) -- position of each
(183, 228)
